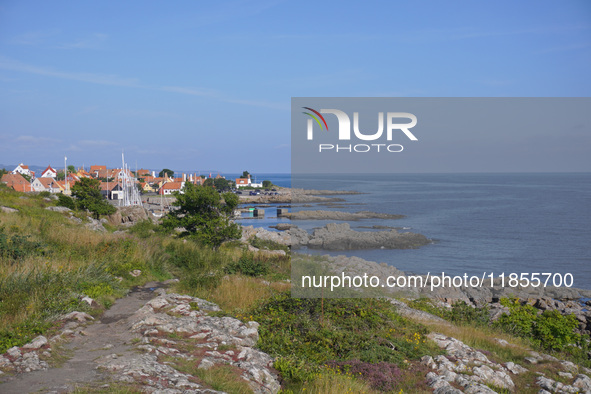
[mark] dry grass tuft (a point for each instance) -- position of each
(485, 339)
(237, 292)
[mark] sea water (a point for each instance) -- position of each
(493, 223)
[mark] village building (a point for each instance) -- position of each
(24, 170)
(171, 187)
(244, 182)
(45, 184)
(111, 190)
(17, 182)
(49, 172)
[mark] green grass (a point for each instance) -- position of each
(306, 333)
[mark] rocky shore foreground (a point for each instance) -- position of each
(566, 300)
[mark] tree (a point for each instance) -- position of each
(166, 171)
(245, 174)
(221, 184)
(203, 215)
(267, 184)
(88, 194)
(208, 182)
(71, 169)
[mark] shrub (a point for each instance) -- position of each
(17, 247)
(460, 312)
(247, 265)
(467, 314)
(294, 369)
(520, 320)
(317, 331)
(550, 329)
(555, 331)
(66, 201)
(380, 376)
(268, 244)
(44, 194)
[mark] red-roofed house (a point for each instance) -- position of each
(49, 172)
(23, 169)
(17, 182)
(98, 171)
(45, 184)
(22, 188)
(242, 182)
(170, 187)
(111, 190)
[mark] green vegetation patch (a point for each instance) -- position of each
(305, 334)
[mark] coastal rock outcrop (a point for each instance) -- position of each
(340, 236)
(128, 216)
(339, 215)
(250, 232)
(178, 328)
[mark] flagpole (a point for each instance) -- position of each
(66, 173)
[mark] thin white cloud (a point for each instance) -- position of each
(114, 80)
(86, 145)
(102, 79)
(564, 48)
(33, 140)
(32, 37)
(190, 91)
(464, 33)
(149, 114)
(96, 143)
(93, 42)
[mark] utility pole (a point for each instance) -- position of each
(66, 172)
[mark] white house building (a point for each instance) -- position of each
(243, 182)
(23, 169)
(49, 172)
(45, 185)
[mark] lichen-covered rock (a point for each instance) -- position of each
(36, 343)
(214, 341)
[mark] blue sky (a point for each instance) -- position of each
(194, 85)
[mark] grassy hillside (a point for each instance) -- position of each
(49, 261)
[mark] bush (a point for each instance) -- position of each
(549, 330)
(293, 368)
(381, 376)
(66, 201)
(247, 265)
(520, 320)
(18, 247)
(268, 244)
(463, 313)
(44, 194)
(316, 331)
(459, 313)
(556, 331)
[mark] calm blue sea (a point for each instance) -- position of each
(480, 222)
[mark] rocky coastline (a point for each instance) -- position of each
(339, 215)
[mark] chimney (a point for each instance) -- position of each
(154, 174)
(184, 177)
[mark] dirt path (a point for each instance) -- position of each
(109, 335)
